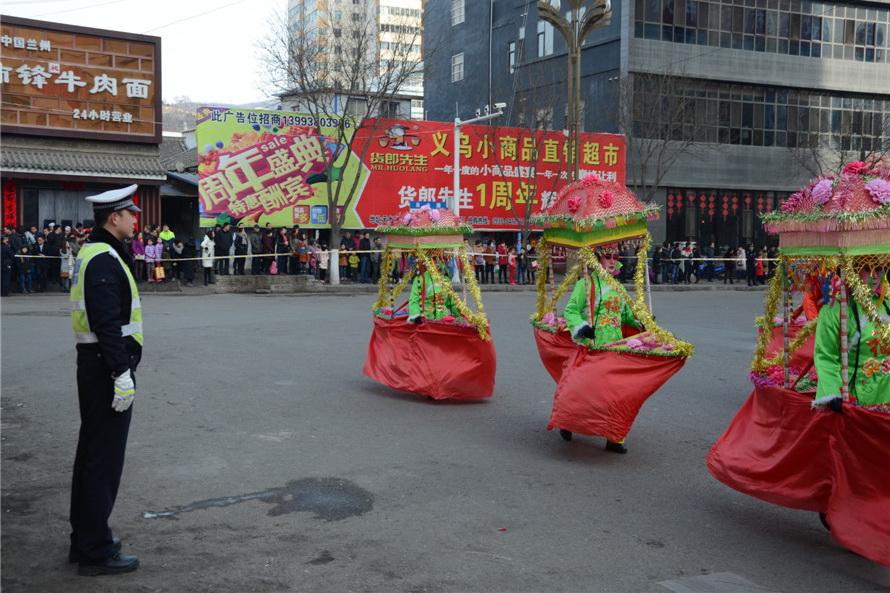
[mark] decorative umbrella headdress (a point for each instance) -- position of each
(594, 212)
(829, 230)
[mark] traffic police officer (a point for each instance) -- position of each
(107, 318)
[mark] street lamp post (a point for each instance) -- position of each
(455, 199)
(575, 31)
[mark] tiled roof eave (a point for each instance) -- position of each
(81, 173)
(89, 164)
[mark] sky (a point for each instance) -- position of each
(208, 49)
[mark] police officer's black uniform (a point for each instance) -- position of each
(102, 441)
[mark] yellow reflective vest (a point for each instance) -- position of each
(79, 320)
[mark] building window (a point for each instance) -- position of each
(389, 109)
(760, 115)
(511, 56)
(545, 39)
(457, 12)
(457, 67)
(356, 107)
(809, 29)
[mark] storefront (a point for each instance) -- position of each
(726, 217)
(81, 114)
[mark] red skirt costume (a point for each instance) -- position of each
(442, 357)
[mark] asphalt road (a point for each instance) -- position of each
(262, 460)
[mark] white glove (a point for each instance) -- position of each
(124, 392)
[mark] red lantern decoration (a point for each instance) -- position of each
(735, 204)
(691, 198)
(760, 203)
(670, 204)
(725, 207)
(747, 201)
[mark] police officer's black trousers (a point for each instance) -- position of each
(99, 461)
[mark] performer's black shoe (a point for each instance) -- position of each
(565, 434)
(824, 519)
(74, 555)
(616, 447)
(116, 564)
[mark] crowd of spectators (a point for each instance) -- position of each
(687, 263)
(35, 260)
(159, 256)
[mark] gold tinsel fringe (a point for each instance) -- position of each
(639, 309)
(773, 297)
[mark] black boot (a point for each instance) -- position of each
(565, 434)
(614, 447)
(116, 564)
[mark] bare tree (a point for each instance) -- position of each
(662, 121)
(346, 50)
(532, 113)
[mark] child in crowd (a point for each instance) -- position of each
(151, 257)
(353, 265)
(323, 258)
(66, 267)
(760, 268)
(344, 263)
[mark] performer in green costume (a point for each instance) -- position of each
(609, 313)
(869, 361)
(429, 300)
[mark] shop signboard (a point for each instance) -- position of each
(78, 82)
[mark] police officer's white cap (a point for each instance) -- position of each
(115, 199)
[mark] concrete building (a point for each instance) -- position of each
(342, 41)
(750, 97)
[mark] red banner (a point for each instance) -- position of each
(259, 166)
(502, 171)
(10, 204)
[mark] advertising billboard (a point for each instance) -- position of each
(266, 166)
